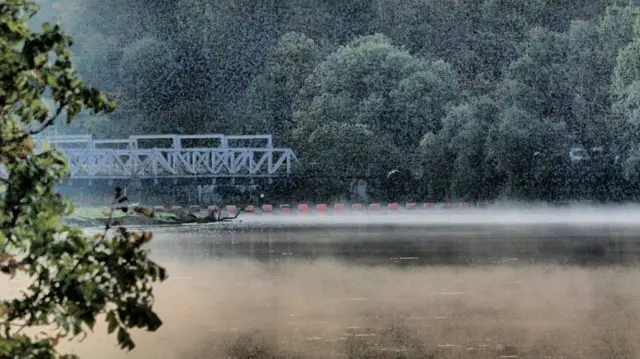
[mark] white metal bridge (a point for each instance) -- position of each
(193, 156)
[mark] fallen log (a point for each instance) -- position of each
(214, 216)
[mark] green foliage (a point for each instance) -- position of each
(73, 279)
(420, 99)
(435, 163)
(519, 138)
(616, 29)
(626, 107)
(145, 67)
(93, 62)
(347, 150)
(467, 128)
(266, 106)
(588, 81)
(364, 102)
(627, 70)
(371, 82)
(352, 150)
(454, 74)
(541, 69)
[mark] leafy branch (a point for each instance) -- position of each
(73, 278)
(140, 313)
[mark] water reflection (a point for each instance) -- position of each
(409, 246)
(375, 291)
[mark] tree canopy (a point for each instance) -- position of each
(378, 90)
(403, 70)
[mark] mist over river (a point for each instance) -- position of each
(506, 283)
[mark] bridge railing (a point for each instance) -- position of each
(87, 141)
(93, 159)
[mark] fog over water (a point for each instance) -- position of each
(496, 215)
(527, 283)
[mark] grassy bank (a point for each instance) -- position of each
(97, 216)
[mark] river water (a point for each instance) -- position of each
(473, 285)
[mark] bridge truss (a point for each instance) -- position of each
(144, 157)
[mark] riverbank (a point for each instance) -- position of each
(584, 217)
(97, 217)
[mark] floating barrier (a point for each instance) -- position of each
(158, 208)
(303, 208)
(321, 208)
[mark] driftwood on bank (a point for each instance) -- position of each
(177, 218)
(213, 217)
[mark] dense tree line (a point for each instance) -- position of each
(470, 99)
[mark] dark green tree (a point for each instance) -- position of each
(626, 107)
(517, 144)
(267, 106)
(371, 82)
(335, 154)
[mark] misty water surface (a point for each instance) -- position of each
(311, 287)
